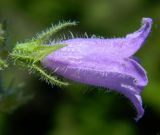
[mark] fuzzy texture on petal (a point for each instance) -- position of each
(104, 62)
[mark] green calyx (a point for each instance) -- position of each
(31, 53)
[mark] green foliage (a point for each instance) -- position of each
(11, 99)
(3, 64)
(3, 53)
(1, 34)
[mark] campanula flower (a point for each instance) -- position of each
(107, 63)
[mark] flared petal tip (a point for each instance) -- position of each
(147, 24)
(138, 104)
(139, 115)
(136, 39)
(147, 20)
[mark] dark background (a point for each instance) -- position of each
(79, 109)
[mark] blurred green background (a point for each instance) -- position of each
(79, 109)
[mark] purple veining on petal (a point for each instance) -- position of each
(104, 62)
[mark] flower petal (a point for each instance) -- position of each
(119, 75)
(139, 73)
(135, 40)
(116, 47)
(79, 58)
(137, 102)
(104, 62)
